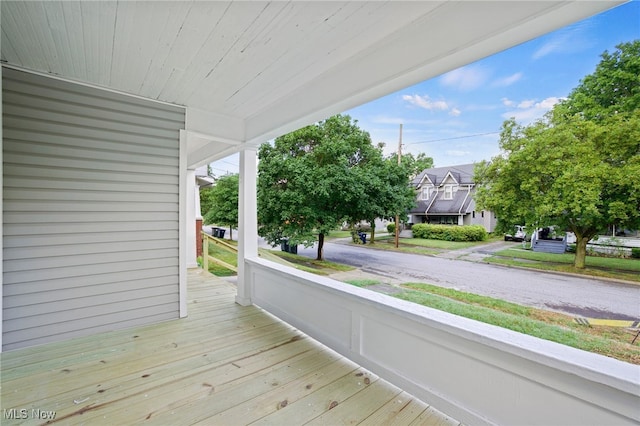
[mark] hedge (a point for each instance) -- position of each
(635, 252)
(449, 232)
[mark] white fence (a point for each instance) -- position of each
(474, 372)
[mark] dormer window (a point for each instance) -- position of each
(425, 193)
(448, 192)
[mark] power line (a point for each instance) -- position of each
(450, 139)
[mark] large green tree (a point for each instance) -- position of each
(314, 179)
(577, 168)
(386, 194)
(222, 202)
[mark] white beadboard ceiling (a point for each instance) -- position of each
(248, 71)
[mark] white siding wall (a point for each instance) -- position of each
(91, 198)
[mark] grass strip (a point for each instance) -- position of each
(514, 317)
(362, 282)
(612, 263)
(591, 271)
(321, 267)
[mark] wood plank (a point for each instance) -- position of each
(359, 406)
(277, 399)
(321, 401)
(140, 351)
(433, 417)
(227, 395)
(165, 383)
(401, 410)
(223, 364)
(186, 391)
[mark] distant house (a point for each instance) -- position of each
(445, 196)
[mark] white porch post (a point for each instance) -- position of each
(193, 211)
(247, 222)
(183, 236)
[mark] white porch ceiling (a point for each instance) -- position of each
(248, 71)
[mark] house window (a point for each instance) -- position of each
(473, 214)
(482, 213)
(425, 193)
(448, 192)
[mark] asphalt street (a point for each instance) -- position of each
(588, 297)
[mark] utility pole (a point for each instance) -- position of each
(397, 216)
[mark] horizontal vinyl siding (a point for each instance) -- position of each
(90, 210)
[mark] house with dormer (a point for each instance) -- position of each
(445, 196)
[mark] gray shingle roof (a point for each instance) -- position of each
(462, 173)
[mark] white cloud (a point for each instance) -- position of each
(455, 112)
(507, 81)
(548, 48)
(425, 102)
(465, 78)
(567, 41)
(507, 102)
(528, 103)
(548, 103)
(529, 110)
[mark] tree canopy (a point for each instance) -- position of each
(221, 202)
(315, 178)
(613, 88)
(578, 167)
(416, 164)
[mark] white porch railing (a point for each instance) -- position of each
(475, 372)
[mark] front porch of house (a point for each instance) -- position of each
(223, 364)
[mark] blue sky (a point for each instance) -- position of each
(456, 117)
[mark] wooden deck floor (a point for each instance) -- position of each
(224, 364)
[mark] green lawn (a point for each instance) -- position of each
(556, 327)
(226, 256)
(320, 267)
(365, 282)
(606, 267)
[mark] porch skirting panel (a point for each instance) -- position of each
(474, 372)
(91, 210)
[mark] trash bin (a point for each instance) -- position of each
(215, 232)
(363, 237)
(285, 246)
(221, 232)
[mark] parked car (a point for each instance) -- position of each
(519, 234)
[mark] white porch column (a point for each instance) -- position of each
(192, 214)
(247, 222)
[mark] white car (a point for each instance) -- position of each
(519, 234)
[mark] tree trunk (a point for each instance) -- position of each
(373, 232)
(581, 251)
(320, 246)
(230, 232)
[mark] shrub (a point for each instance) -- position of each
(449, 232)
(391, 228)
(571, 248)
(635, 252)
